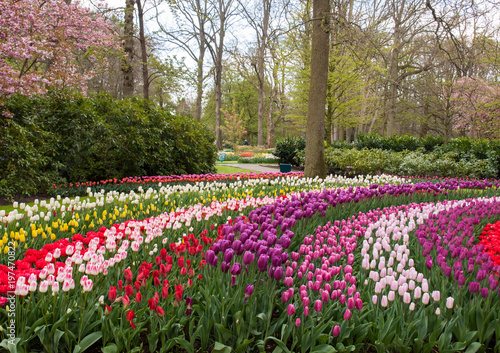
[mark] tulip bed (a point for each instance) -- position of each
(248, 262)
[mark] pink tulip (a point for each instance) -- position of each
(318, 305)
(347, 314)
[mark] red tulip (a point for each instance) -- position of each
(112, 294)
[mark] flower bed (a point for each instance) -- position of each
(283, 262)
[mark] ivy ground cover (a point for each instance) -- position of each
(273, 262)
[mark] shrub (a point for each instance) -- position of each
(288, 148)
(60, 137)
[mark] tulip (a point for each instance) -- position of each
(236, 268)
(336, 331)
(278, 273)
(248, 257)
(425, 298)
(350, 303)
(474, 287)
(138, 297)
(263, 262)
(112, 294)
(297, 322)
(449, 302)
(160, 311)
(318, 305)
(249, 290)
(436, 295)
(290, 310)
(129, 290)
(347, 314)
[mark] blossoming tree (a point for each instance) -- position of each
(477, 107)
(47, 44)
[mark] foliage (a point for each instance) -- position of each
(69, 137)
(409, 163)
(288, 148)
(45, 42)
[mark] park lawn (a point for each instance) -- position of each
(230, 170)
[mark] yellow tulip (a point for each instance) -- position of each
(53, 236)
(22, 238)
(5, 251)
(87, 217)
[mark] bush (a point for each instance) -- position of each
(287, 150)
(60, 137)
(407, 163)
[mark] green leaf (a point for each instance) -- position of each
(111, 348)
(12, 348)
(324, 348)
(219, 347)
(243, 347)
(185, 344)
(224, 332)
(385, 329)
(279, 342)
(88, 341)
(57, 336)
(473, 347)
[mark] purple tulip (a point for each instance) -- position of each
(248, 258)
(228, 255)
(484, 292)
(224, 266)
(474, 287)
(249, 290)
(236, 268)
(210, 255)
(278, 273)
(263, 262)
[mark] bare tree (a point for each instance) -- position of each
(219, 21)
(191, 18)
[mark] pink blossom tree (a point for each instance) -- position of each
(50, 43)
(476, 105)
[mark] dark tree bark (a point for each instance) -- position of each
(144, 54)
(315, 131)
(127, 68)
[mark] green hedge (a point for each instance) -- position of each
(60, 138)
(408, 163)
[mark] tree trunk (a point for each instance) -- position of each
(144, 55)
(201, 58)
(127, 69)
(218, 103)
(315, 133)
(266, 5)
(199, 80)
